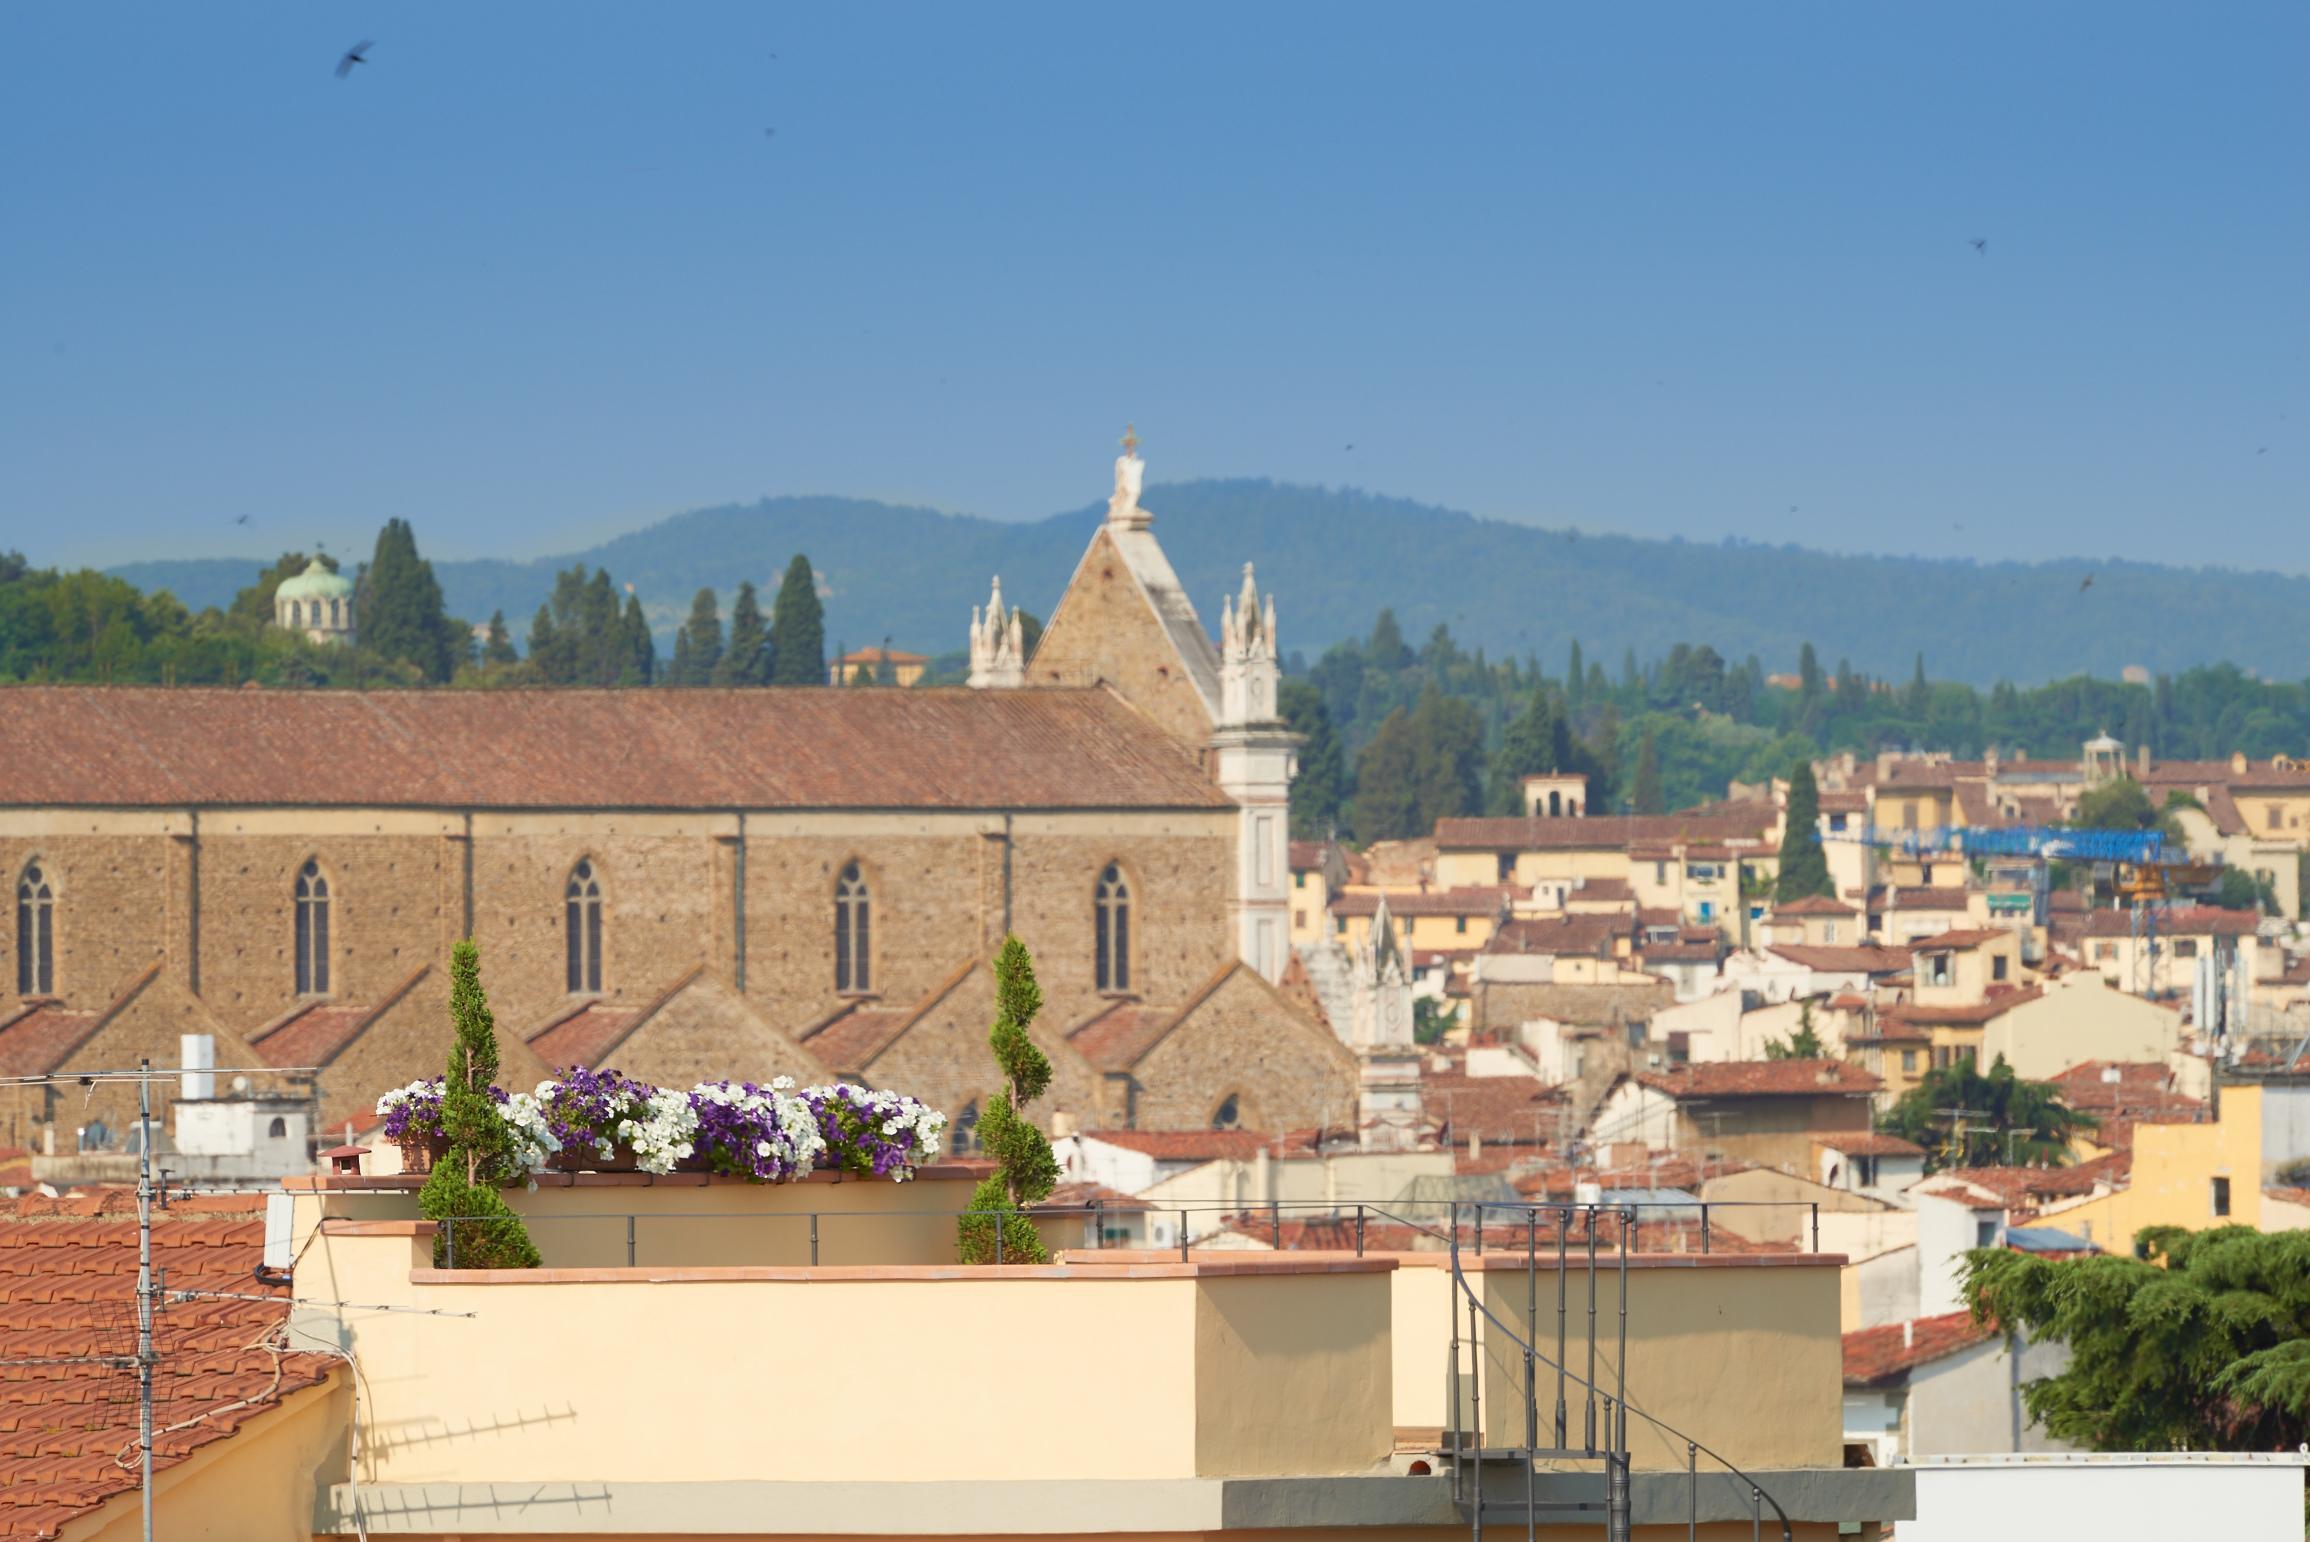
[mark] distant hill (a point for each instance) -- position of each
(1333, 558)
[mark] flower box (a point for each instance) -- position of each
(420, 1149)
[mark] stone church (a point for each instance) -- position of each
(689, 884)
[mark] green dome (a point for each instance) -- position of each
(315, 583)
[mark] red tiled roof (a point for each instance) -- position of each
(313, 1035)
(1478, 900)
(1504, 1110)
(1858, 1144)
(1963, 937)
(1811, 905)
(1600, 889)
(1609, 831)
(586, 1036)
(139, 747)
(1879, 1354)
(1761, 1079)
(1075, 1196)
(1116, 1036)
(849, 1040)
(1586, 935)
(1966, 1014)
(1854, 802)
(67, 1288)
(2019, 1186)
(38, 1039)
(1187, 1145)
(1868, 959)
(2140, 1087)
(2178, 921)
(1305, 855)
(1928, 899)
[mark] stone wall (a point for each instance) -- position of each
(1104, 631)
(1246, 1039)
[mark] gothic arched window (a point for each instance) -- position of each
(965, 1136)
(583, 918)
(1111, 915)
(312, 930)
(35, 932)
(853, 936)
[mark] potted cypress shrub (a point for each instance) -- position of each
(477, 1228)
(997, 1225)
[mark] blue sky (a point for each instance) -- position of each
(537, 274)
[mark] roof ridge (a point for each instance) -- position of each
(682, 982)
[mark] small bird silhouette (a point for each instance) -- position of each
(2264, 450)
(2087, 584)
(769, 133)
(1347, 447)
(1980, 245)
(244, 519)
(357, 54)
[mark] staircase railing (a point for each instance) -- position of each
(1469, 1454)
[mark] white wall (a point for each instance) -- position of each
(1884, 1287)
(1635, 1112)
(2110, 1498)
(1946, 1231)
(1970, 1402)
(2285, 1125)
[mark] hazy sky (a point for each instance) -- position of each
(537, 274)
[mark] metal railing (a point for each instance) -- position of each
(1319, 1225)
(1605, 1412)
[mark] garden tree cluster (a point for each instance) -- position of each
(1423, 765)
(1319, 791)
(2120, 804)
(1644, 794)
(786, 648)
(798, 628)
(581, 636)
(1804, 866)
(2201, 1342)
(479, 1230)
(998, 1225)
(1964, 1118)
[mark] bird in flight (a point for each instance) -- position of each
(1347, 447)
(2264, 450)
(244, 519)
(769, 133)
(1980, 245)
(357, 54)
(2087, 584)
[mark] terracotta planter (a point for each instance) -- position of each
(621, 1160)
(420, 1152)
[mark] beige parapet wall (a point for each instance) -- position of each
(1214, 1368)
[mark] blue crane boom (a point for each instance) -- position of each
(2047, 841)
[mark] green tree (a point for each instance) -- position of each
(1964, 1118)
(2118, 804)
(678, 671)
(703, 632)
(1808, 673)
(998, 1225)
(637, 650)
(1536, 742)
(747, 659)
(498, 649)
(1804, 1044)
(1387, 786)
(798, 628)
(1644, 793)
(1319, 793)
(1919, 696)
(1804, 866)
(2238, 890)
(479, 1229)
(2200, 1342)
(400, 612)
(1386, 649)
(1575, 679)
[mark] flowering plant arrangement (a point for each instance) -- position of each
(663, 1131)
(877, 1134)
(764, 1133)
(584, 1110)
(534, 1142)
(412, 1112)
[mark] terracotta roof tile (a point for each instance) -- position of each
(67, 1289)
(1811, 905)
(1964, 1014)
(1186, 1145)
(2178, 921)
(2019, 1186)
(40, 1038)
(1583, 935)
(1858, 1144)
(1928, 899)
(1879, 1354)
(1612, 831)
(1869, 959)
(1503, 1110)
(1480, 900)
(1760, 1078)
(586, 1036)
(758, 749)
(850, 1039)
(1114, 1038)
(1963, 937)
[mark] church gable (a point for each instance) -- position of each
(940, 1054)
(703, 1031)
(1108, 630)
(146, 1023)
(404, 1040)
(1244, 1040)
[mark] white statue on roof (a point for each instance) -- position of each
(1123, 506)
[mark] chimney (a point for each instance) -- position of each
(197, 1053)
(2142, 757)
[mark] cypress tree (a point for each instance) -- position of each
(639, 649)
(1644, 796)
(1537, 741)
(703, 632)
(678, 672)
(1804, 866)
(1386, 649)
(798, 628)
(499, 648)
(401, 614)
(1808, 673)
(1028, 1171)
(462, 1188)
(1919, 695)
(1575, 678)
(746, 660)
